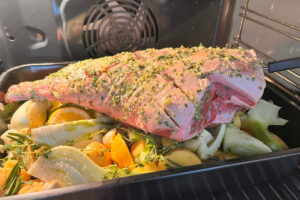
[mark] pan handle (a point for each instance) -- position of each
(284, 65)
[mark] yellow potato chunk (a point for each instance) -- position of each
(166, 142)
(280, 141)
(178, 158)
(225, 155)
(137, 148)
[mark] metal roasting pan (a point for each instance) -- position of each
(185, 182)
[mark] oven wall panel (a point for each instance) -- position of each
(28, 32)
(35, 31)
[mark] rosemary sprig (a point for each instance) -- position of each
(114, 172)
(13, 181)
(12, 176)
(174, 163)
(14, 188)
(24, 137)
(23, 148)
(19, 138)
(164, 150)
(15, 139)
(47, 153)
(127, 139)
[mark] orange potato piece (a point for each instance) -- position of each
(108, 138)
(120, 152)
(33, 187)
(37, 185)
(99, 154)
(225, 155)
(24, 175)
(137, 148)
(10, 164)
(4, 172)
(150, 167)
(180, 156)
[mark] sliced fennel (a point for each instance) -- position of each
(19, 119)
(241, 143)
(71, 132)
(205, 144)
(267, 113)
(208, 147)
(68, 165)
(258, 120)
(31, 114)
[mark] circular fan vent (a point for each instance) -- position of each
(114, 26)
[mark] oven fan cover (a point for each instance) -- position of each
(114, 26)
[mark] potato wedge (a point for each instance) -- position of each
(179, 157)
(225, 155)
(237, 120)
(280, 141)
(37, 113)
(166, 142)
(137, 148)
(19, 119)
(109, 137)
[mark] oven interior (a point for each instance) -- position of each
(61, 30)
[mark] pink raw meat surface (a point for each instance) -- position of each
(174, 93)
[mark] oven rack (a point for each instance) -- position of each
(285, 188)
(289, 80)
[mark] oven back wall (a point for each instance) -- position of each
(34, 31)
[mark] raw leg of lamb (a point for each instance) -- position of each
(174, 93)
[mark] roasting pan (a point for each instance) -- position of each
(45, 31)
(186, 181)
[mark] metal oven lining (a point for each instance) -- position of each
(289, 80)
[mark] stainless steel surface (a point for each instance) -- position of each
(217, 179)
(287, 187)
(112, 26)
(54, 30)
(27, 32)
(288, 80)
(34, 31)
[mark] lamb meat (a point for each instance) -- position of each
(172, 92)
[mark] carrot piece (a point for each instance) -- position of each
(108, 137)
(120, 152)
(137, 148)
(4, 172)
(29, 188)
(99, 154)
(24, 175)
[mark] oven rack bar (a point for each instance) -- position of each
(244, 15)
(268, 77)
(289, 79)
